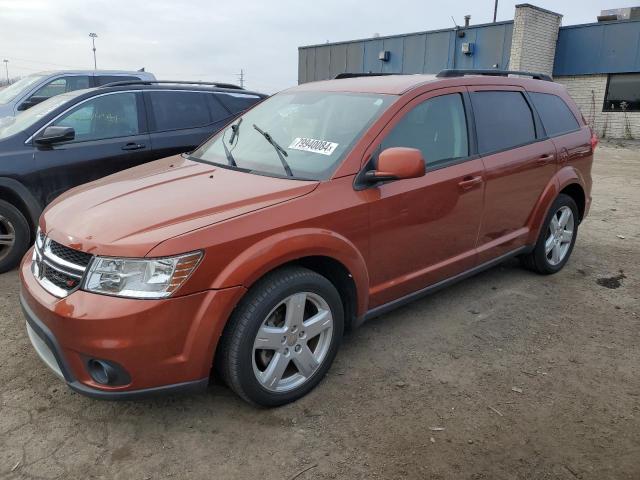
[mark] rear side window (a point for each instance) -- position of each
(218, 111)
(104, 79)
(437, 127)
(62, 85)
(179, 110)
(503, 120)
(237, 102)
(555, 114)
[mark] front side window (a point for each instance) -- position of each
(313, 132)
(437, 127)
(554, 113)
(175, 110)
(62, 85)
(623, 93)
(503, 120)
(12, 91)
(106, 116)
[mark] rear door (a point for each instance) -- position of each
(424, 230)
(519, 162)
(110, 135)
(180, 120)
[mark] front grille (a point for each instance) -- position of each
(57, 268)
(69, 254)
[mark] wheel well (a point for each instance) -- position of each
(576, 192)
(14, 199)
(339, 276)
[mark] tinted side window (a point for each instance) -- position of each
(104, 79)
(218, 111)
(237, 102)
(179, 110)
(437, 127)
(503, 120)
(555, 114)
(62, 85)
(107, 116)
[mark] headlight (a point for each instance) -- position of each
(139, 277)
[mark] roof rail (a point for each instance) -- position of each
(174, 82)
(355, 75)
(497, 73)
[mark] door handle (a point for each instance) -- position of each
(546, 158)
(469, 182)
(133, 146)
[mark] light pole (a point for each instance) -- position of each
(93, 40)
(6, 67)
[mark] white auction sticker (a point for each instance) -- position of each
(312, 145)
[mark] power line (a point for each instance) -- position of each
(37, 61)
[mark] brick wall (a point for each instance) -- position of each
(533, 45)
(588, 91)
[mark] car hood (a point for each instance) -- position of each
(131, 212)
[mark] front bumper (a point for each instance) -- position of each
(163, 345)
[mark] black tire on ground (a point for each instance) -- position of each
(235, 354)
(11, 217)
(537, 260)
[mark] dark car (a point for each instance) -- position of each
(84, 135)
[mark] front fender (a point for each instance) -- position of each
(283, 247)
(567, 175)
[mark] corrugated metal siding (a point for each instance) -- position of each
(598, 48)
(423, 52)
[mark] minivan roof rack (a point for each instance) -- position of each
(174, 82)
(355, 75)
(498, 73)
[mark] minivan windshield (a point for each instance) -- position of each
(13, 90)
(12, 125)
(301, 135)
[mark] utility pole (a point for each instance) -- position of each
(6, 67)
(93, 40)
(495, 11)
(241, 77)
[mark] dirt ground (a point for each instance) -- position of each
(508, 375)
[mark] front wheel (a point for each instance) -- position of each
(557, 237)
(14, 236)
(282, 338)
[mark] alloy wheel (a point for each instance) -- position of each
(292, 342)
(559, 235)
(7, 237)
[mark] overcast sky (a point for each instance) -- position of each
(213, 40)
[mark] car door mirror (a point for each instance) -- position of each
(397, 163)
(52, 134)
(30, 102)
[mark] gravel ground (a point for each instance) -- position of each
(508, 375)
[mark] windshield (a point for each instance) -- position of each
(13, 90)
(12, 125)
(307, 133)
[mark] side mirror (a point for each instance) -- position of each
(30, 102)
(51, 135)
(397, 163)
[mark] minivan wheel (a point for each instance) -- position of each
(14, 236)
(557, 238)
(282, 338)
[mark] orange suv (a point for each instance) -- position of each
(323, 206)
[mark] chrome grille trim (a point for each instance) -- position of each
(62, 271)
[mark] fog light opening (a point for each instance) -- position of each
(101, 372)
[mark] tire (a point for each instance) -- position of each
(266, 317)
(545, 261)
(14, 228)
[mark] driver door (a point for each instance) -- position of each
(110, 135)
(424, 230)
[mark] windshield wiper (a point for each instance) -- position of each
(279, 150)
(227, 152)
(234, 131)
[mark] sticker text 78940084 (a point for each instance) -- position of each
(313, 145)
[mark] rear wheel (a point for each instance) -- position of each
(557, 238)
(14, 236)
(282, 338)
